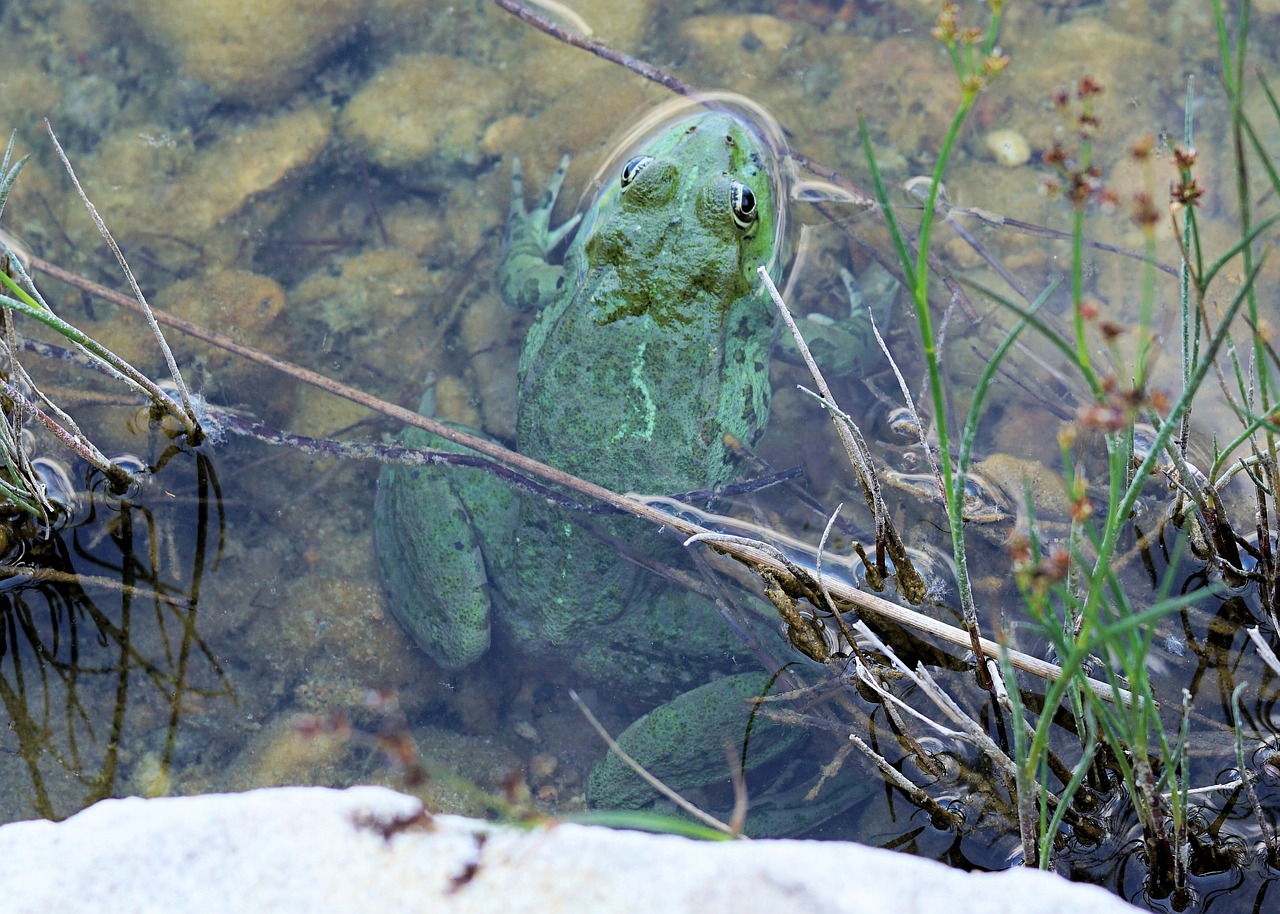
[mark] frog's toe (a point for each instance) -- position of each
(515, 209)
(555, 236)
(548, 201)
(534, 225)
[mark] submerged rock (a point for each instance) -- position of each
(253, 51)
(391, 121)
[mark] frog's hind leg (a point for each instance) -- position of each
(439, 532)
(847, 347)
(682, 742)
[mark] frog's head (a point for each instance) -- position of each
(686, 222)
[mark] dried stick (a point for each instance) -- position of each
(703, 817)
(189, 415)
(756, 558)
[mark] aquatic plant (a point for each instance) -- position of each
(1074, 590)
(79, 652)
(20, 486)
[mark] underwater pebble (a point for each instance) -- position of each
(193, 191)
(292, 751)
(151, 776)
(238, 303)
(373, 293)
(616, 22)
(1009, 147)
(735, 34)
(750, 47)
(245, 306)
(527, 731)
(246, 162)
(253, 51)
(542, 767)
(390, 121)
(253, 159)
(486, 334)
(909, 94)
(454, 402)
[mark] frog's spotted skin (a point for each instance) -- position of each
(651, 347)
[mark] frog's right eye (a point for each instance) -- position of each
(742, 202)
(632, 169)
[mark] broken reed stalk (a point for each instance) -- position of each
(910, 583)
(759, 560)
(188, 414)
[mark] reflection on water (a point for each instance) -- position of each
(337, 196)
(100, 653)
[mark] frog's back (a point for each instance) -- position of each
(637, 410)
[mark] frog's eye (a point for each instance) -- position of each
(742, 201)
(632, 169)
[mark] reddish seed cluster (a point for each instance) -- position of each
(1145, 213)
(1080, 183)
(1185, 192)
(1121, 406)
(313, 726)
(1087, 88)
(1052, 569)
(1143, 148)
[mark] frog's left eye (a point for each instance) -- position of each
(742, 201)
(632, 169)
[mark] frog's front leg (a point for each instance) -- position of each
(842, 347)
(527, 281)
(443, 536)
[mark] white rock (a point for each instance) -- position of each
(369, 849)
(1009, 147)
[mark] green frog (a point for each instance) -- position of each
(648, 361)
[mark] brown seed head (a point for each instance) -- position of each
(1088, 87)
(1143, 147)
(1184, 158)
(1145, 213)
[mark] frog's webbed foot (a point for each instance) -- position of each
(682, 743)
(842, 346)
(528, 281)
(537, 221)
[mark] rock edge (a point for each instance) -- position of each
(313, 849)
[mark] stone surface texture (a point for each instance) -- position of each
(311, 849)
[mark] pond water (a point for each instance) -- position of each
(327, 181)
